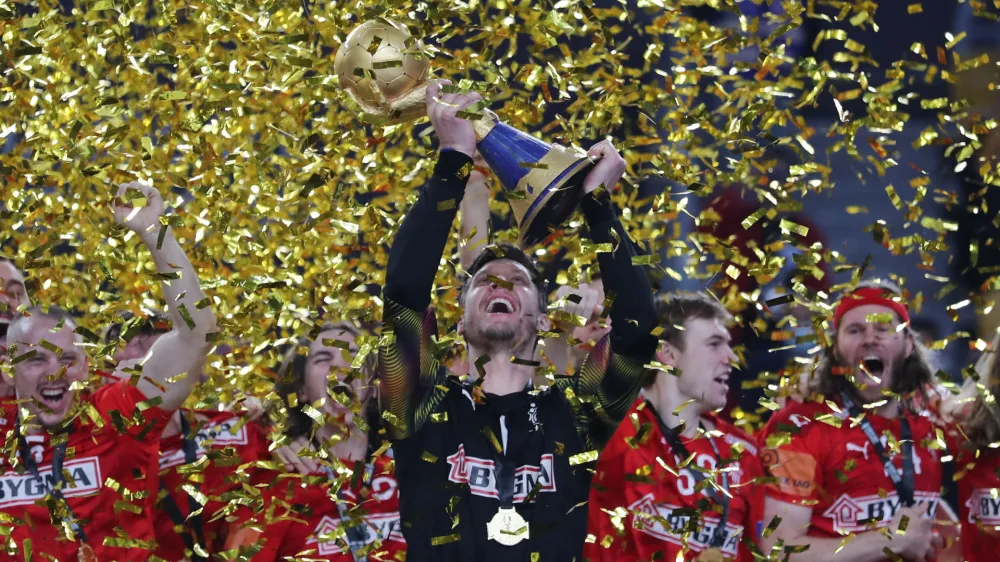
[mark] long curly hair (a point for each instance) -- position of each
(983, 426)
(292, 379)
(913, 375)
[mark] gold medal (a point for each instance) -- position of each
(712, 555)
(86, 554)
(507, 527)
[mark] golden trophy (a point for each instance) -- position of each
(382, 69)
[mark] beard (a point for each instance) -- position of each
(866, 385)
(492, 337)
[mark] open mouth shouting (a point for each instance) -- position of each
(873, 366)
(722, 379)
(54, 397)
(500, 305)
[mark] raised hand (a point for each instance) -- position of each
(607, 171)
(138, 207)
(454, 132)
(289, 455)
(588, 308)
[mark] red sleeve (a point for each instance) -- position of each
(607, 494)
(128, 410)
(755, 499)
(792, 456)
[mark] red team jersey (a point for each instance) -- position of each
(292, 531)
(112, 462)
(836, 472)
(979, 502)
(228, 444)
(630, 475)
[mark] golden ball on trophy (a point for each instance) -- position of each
(383, 69)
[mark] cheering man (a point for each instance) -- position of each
(650, 499)
(107, 440)
(501, 471)
(13, 293)
(209, 452)
(860, 460)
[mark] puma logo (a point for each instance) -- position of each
(859, 449)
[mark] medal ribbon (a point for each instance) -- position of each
(902, 482)
(357, 535)
(718, 538)
(58, 458)
(170, 505)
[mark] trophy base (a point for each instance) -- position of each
(554, 205)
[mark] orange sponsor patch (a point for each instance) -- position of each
(795, 472)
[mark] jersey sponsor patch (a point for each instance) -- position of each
(24, 489)
(855, 514)
(378, 527)
(984, 507)
(480, 475)
(677, 526)
(746, 445)
(218, 434)
(795, 472)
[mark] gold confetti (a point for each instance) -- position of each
(583, 458)
(269, 196)
(445, 539)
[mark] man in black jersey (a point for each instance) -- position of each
(501, 472)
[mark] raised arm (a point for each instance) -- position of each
(173, 365)
(612, 375)
(407, 370)
(474, 218)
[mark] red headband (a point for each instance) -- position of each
(870, 295)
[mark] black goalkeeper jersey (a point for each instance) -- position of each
(447, 444)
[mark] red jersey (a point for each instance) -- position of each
(316, 533)
(978, 479)
(637, 474)
(230, 445)
(836, 471)
(111, 458)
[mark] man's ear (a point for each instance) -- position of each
(461, 325)
(667, 354)
(543, 324)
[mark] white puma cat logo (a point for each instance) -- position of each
(859, 449)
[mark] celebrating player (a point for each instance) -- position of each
(209, 451)
(347, 509)
(13, 294)
(862, 463)
(500, 471)
(106, 441)
(646, 501)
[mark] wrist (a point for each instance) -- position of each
(151, 237)
(469, 151)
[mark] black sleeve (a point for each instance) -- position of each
(612, 375)
(633, 314)
(420, 242)
(407, 370)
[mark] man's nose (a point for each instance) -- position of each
(731, 357)
(871, 334)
